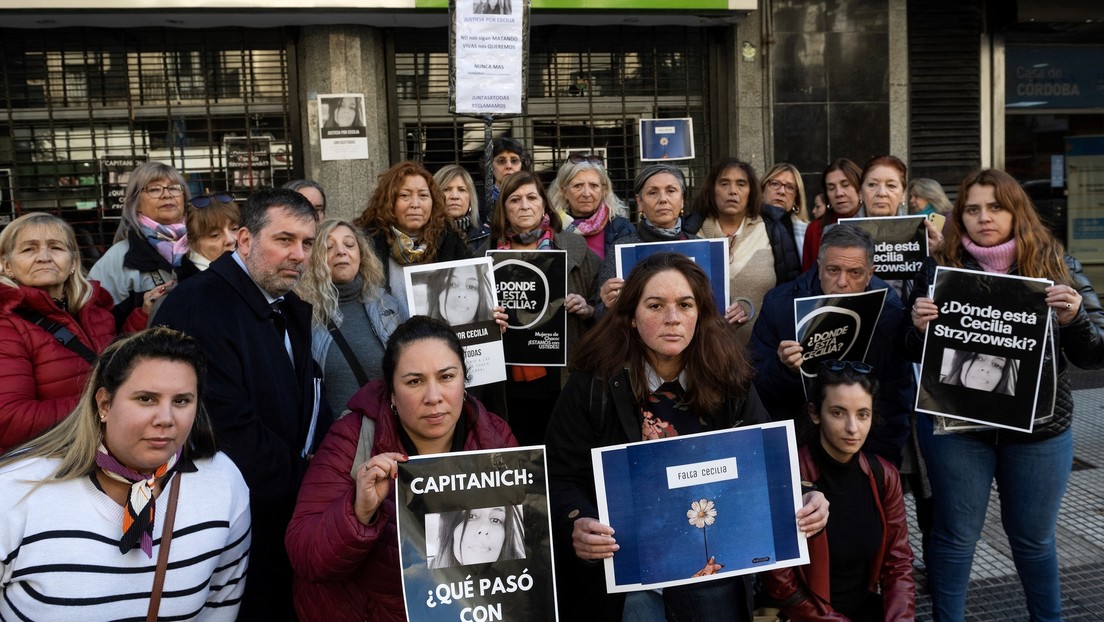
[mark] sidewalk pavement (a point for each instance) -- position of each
(995, 592)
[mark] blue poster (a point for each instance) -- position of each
(701, 507)
(710, 255)
(666, 139)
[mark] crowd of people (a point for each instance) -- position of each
(258, 361)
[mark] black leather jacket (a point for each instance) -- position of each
(1080, 342)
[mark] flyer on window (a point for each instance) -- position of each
(475, 536)
(666, 139)
(532, 286)
(710, 255)
(835, 327)
(983, 355)
(489, 41)
(342, 126)
(900, 244)
(462, 294)
(701, 507)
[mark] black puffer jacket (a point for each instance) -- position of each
(1080, 342)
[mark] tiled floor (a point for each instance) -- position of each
(995, 592)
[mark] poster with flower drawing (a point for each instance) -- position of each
(700, 507)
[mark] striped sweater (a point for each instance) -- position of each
(59, 552)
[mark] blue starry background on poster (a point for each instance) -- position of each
(754, 525)
(710, 255)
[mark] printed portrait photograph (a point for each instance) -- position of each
(979, 371)
(475, 536)
(340, 112)
(458, 295)
(492, 7)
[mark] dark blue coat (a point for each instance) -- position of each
(260, 405)
(780, 388)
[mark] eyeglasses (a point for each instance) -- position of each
(774, 184)
(578, 158)
(203, 201)
(157, 192)
(838, 365)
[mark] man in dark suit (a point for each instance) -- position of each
(845, 266)
(263, 386)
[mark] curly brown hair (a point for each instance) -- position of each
(716, 364)
(378, 218)
(1038, 253)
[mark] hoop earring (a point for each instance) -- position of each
(394, 410)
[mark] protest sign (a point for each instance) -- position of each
(248, 162)
(700, 507)
(462, 294)
(837, 326)
(666, 139)
(474, 536)
(114, 175)
(342, 126)
(710, 255)
(983, 355)
(489, 41)
(532, 286)
(900, 244)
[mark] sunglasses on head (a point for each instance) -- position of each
(203, 201)
(578, 158)
(838, 365)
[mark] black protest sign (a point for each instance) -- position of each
(900, 244)
(114, 176)
(983, 355)
(474, 536)
(532, 286)
(837, 326)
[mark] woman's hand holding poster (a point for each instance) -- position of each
(983, 355)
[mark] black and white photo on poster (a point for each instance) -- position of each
(532, 286)
(342, 127)
(474, 536)
(837, 326)
(983, 355)
(462, 294)
(900, 244)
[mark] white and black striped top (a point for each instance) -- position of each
(59, 548)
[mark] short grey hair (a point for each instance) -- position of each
(141, 177)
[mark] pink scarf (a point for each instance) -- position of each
(998, 259)
(591, 225)
(170, 241)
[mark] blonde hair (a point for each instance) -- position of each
(77, 289)
(799, 209)
(317, 286)
(75, 440)
(567, 172)
(141, 177)
(449, 172)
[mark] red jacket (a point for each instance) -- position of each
(808, 587)
(345, 570)
(42, 379)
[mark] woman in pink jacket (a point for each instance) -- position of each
(342, 539)
(53, 323)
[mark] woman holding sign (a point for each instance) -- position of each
(407, 223)
(761, 249)
(661, 362)
(661, 193)
(861, 567)
(995, 229)
(524, 220)
(342, 539)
